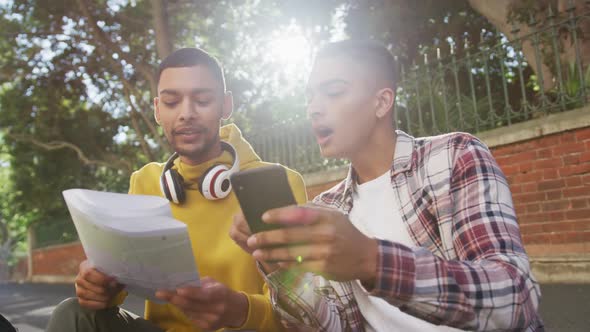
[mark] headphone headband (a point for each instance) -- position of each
(230, 148)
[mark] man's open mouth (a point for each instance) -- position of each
(323, 134)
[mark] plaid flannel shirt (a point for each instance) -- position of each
(468, 268)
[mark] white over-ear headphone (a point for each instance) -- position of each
(213, 184)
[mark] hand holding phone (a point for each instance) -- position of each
(259, 190)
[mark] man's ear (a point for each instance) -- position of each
(385, 99)
(228, 105)
(157, 109)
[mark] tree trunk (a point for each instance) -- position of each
(5, 254)
(497, 13)
(5, 251)
(31, 244)
(162, 28)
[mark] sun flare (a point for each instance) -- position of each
(290, 50)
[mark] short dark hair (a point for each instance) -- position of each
(368, 52)
(190, 57)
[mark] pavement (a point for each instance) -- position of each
(28, 306)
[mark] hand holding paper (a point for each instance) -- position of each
(210, 306)
(94, 289)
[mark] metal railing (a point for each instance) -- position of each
(292, 145)
(488, 86)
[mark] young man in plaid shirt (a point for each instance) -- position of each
(420, 236)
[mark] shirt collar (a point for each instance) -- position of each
(402, 162)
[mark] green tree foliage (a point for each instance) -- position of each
(413, 28)
(78, 78)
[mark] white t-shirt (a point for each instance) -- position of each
(375, 213)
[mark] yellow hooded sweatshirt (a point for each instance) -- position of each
(209, 222)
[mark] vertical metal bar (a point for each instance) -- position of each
(556, 54)
(294, 148)
(573, 23)
(276, 145)
(303, 145)
(407, 110)
(280, 141)
(314, 149)
(518, 50)
(539, 60)
(408, 123)
(472, 87)
(300, 145)
(306, 146)
(268, 145)
(418, 102)
(263, 147)
(290, 153)
(310, 148)
(455, 70)
(395, 123)
(430, 96)
(396, 109)
(441, 72)
(486, 70)
(286, 138)
(507, 107)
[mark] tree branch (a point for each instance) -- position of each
(144, 146)
(145, 70)
(122, 17)
(115, 163)
(147, 120)
(496, 12)
(108, 44)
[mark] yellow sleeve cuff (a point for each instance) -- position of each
(118, 299)
(260, 314)
(297, 187)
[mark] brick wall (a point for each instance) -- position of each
(550, 182)
(61, 260)
(19, 271)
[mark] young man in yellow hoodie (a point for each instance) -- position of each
(191, 102)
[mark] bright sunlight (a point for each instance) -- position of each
(290, 50)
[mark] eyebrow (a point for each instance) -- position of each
(328, 83)
(193, 91)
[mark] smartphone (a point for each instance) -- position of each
(259, 190)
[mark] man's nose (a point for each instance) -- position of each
(188, 109)
(314, 109)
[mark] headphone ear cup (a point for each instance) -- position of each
(173, 186)
(214, 184)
